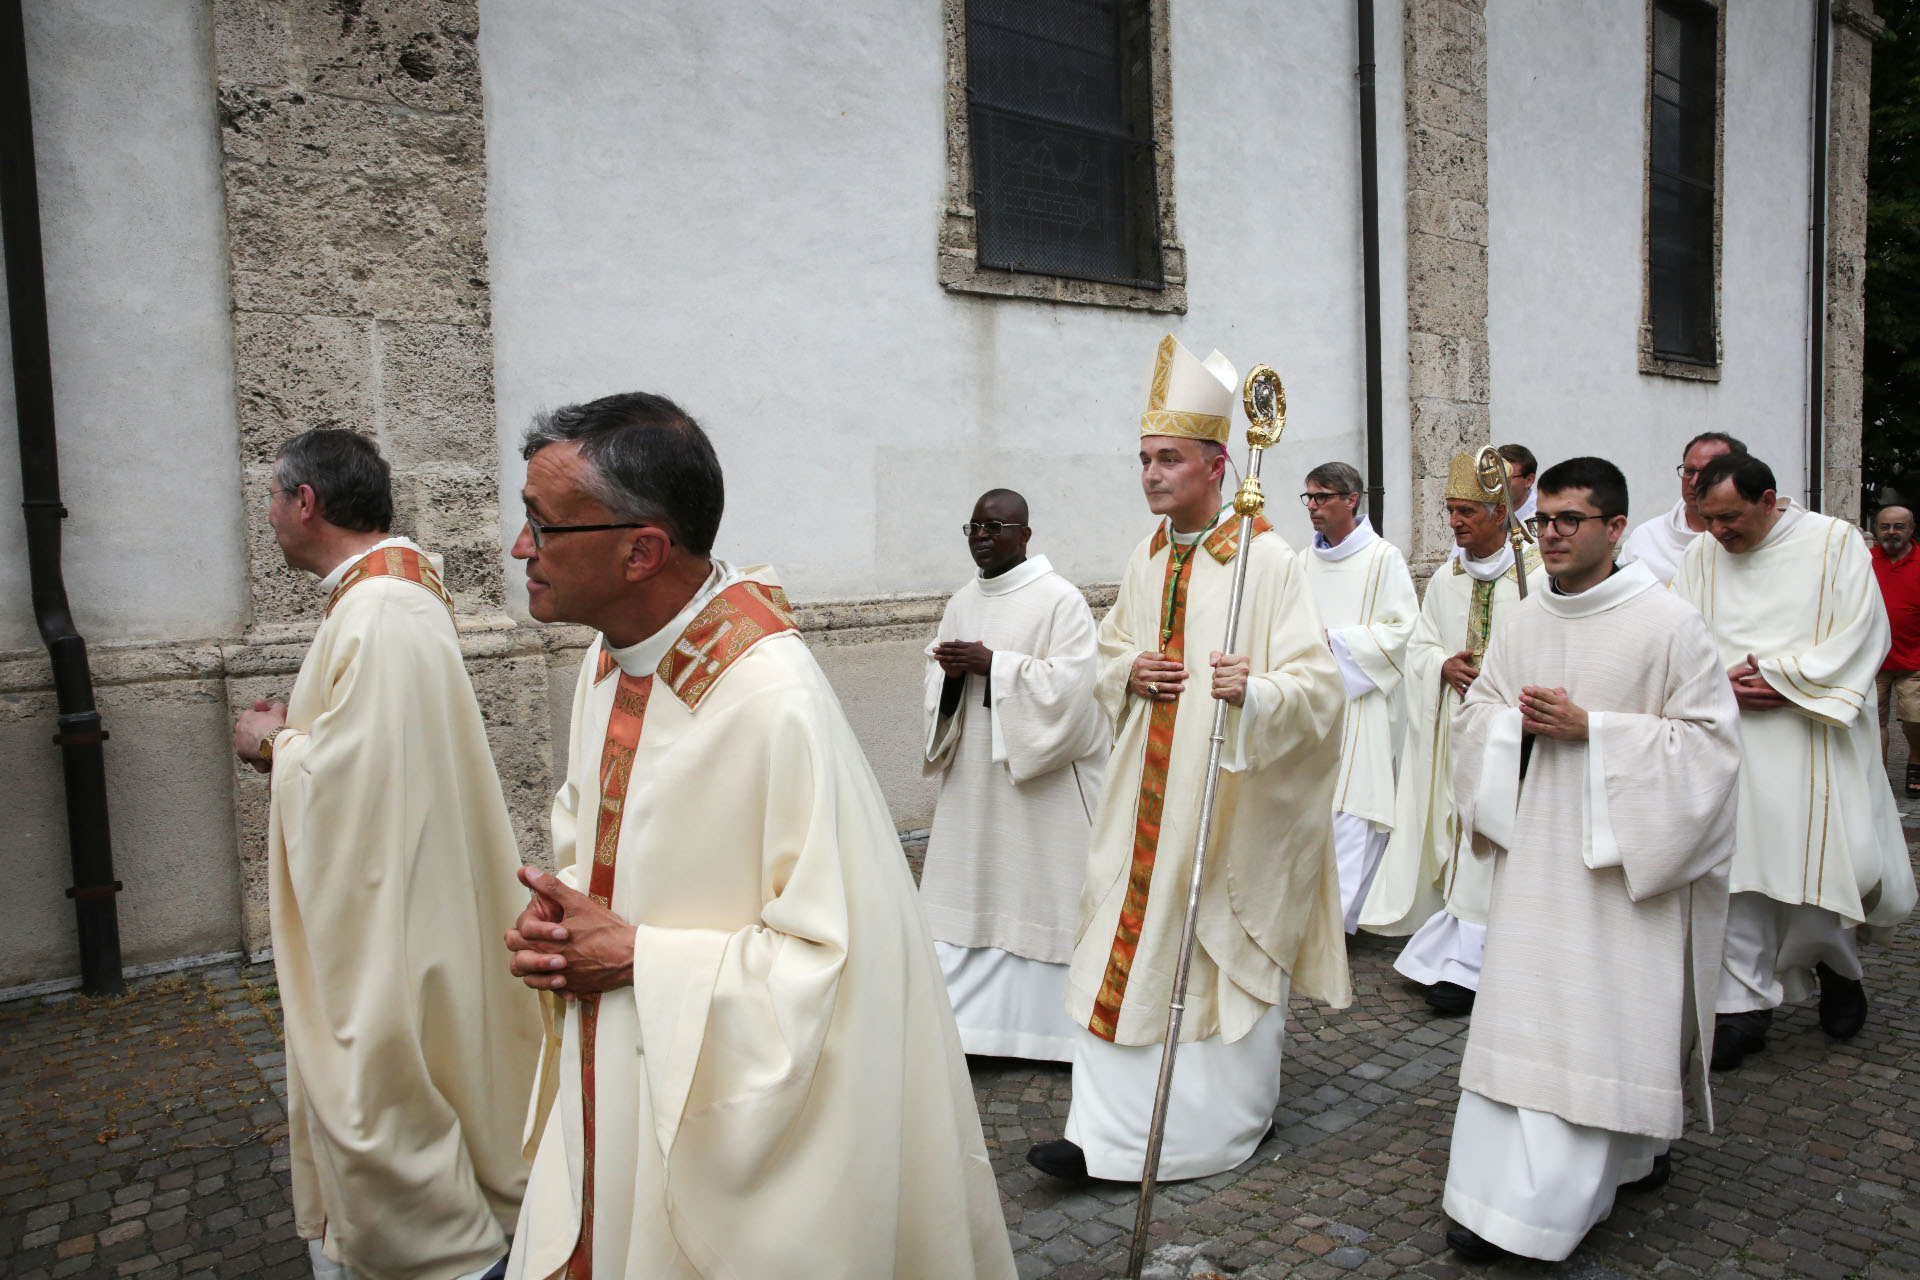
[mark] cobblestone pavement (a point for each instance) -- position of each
(146, 1135)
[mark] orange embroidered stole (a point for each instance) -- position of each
(392, 562)
(1152, 802)
(616, 768)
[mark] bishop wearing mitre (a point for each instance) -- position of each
(1367, 601)
(1019, 744)
(1423, 887)
(390, 875)
(1594, 759)
(1794, 608)
(1269, 918)
(757, 1071)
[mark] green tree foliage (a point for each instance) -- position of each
(1892, 433)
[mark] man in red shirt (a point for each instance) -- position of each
(1898, 572)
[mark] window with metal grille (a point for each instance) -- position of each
(1680, 187)
(1060, 111)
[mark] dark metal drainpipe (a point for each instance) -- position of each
(80, 734)
(1370, 266)
(1817, 251)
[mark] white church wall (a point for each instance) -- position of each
(1567, 178)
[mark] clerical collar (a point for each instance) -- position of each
(1188, 539)
(1620, 586)
(642, 657)
(1362, 537)
(1032, 569)
(1490, 568)
(332, 580)
(1789, 517)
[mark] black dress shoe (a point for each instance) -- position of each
(1058, 1159)
(1735, 1035)
(1472, 1246)
(1662, 1170)
(1450, 999)
(1843, 1004)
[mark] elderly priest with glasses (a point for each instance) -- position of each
(757, 1072)
(1019, 743)
(1594, 760)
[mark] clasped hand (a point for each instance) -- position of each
(1550, 713)
(255, 726)
(963, 657)
(1750, 688)
(1157, 678)
(566, 942)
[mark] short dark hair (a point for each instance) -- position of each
(352, 484)
(1339, 477)
(1524, 463)
(1751, 477)
(1714, 437)
(1596, 475)
(646, 460)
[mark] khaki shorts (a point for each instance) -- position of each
(1904, 688)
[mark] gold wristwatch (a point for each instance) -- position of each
(266, 746)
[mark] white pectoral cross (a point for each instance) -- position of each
(701, 656)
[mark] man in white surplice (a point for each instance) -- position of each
(1367, 602)
(1594, 760)
(1422, 886)
(1790, 597)
(1019, 743)
(1269, 917)
(1660, 542)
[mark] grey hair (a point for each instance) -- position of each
(647, 461)
(1341, 478)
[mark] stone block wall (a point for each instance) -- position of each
(1449, 375)
(1855, 28)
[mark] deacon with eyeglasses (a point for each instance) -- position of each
(1594, 766)
(1019, 744)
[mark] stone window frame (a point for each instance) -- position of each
(959, 266)
(1650, 363)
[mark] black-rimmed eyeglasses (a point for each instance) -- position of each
(1566, 524)
(992, 528)
(1319, 499)
(540, 531)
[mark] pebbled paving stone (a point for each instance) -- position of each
(145, 1135)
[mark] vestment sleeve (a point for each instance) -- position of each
(1045, 704)
(943, 731)
(1485, 744)
(1301, 699)
(1118, 649)
(1665, 787)
(1832, 681)
(1379, 647)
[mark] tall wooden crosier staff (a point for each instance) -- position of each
(1265, 401)
(1491, 470)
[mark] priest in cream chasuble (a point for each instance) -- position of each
(390, 865)
(1595, 760)
(1269, 919)
(1367, 602)
(760, 1073)
(1422, 887)
(1019, 745)
(1792, 602)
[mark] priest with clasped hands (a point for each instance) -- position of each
(755, 1070)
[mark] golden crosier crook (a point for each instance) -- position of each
(1265, 401)
(1490, 469)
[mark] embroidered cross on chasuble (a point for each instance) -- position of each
(732, 622)
(1221, 545)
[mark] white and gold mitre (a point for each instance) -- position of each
(1190, 397)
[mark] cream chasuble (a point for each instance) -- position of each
(1270, 906)
(1609, 861)
(1367, 603)
(1659, 543)
(391, 862)
(1817, 820)
(782, 1091)
(1419, 874)
(1020, 754)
